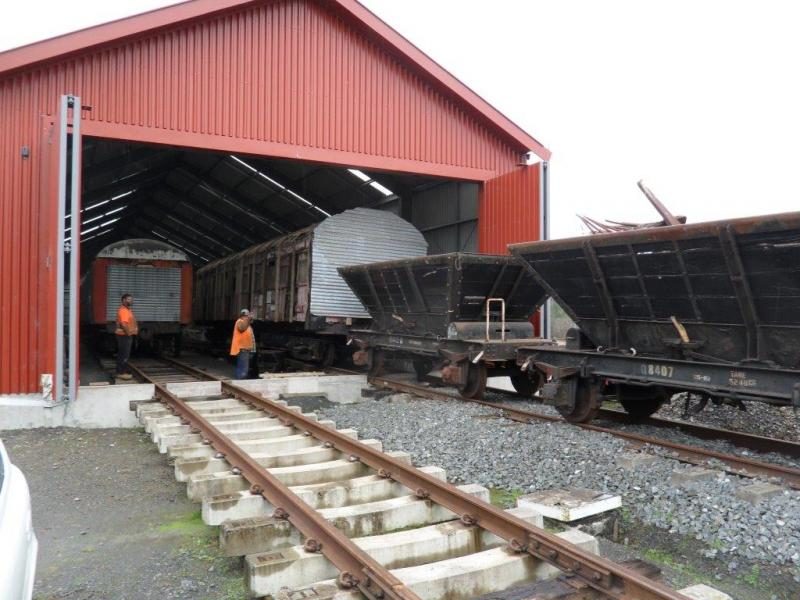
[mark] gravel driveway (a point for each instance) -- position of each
(112, 522)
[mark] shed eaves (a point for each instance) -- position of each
(62, 46)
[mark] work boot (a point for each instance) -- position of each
(126, 376)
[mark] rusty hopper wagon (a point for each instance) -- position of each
(712, 309)
(465, 314)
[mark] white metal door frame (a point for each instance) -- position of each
(69, 171)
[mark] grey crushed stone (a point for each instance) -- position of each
(475, 446)
(672, 435)
(759, 418)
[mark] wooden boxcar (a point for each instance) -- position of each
(292, 285)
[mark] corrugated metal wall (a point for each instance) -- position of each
(510, 209)
(447, 215)
(370, 236)
(287, 78)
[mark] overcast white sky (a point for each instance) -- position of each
(700, 98)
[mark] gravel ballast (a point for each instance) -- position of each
(474, 445)
(671, 435)
(758, 418)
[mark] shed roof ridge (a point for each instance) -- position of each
(97, 35)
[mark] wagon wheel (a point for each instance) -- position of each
(585, 404)
(328, 356)
(422, 366)
(640, 402)
(525, 384)
(377, 363)
(476, 381)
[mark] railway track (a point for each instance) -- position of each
(737, 465)
(315, 510)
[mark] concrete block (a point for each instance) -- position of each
(148, 408)
(757, 492)
(186, 467)
(354, 521)
(260, 534)
(245, 440)
(702, 591)
(195, 388)
(94, 407)
(219, 484)
(692, 475)
(179, 439)
(215, 484)
(293, 567)
(261, 424)
(371, 488)
(279, 444)
(458, 578)
(395, 513)
(334, 470)
(570, 504)
(630, 461)
(338, 388)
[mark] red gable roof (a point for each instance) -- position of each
(85, 39)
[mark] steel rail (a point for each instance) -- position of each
(607, 577)
(357, 568)
(744, 440)
(736, 465)
(601, 574)
(751, 441)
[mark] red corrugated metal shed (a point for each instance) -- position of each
(324, 81)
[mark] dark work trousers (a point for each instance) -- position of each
(124, 345)
(243, 364)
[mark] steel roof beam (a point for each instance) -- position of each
(233, 200)
(285, 191)
(142, 180)
(196, 253)
(151, 222)
(127, 158)
(235, 229)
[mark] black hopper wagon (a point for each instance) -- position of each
(710, 309)
(462, 314)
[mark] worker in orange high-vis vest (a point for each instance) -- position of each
(127, 327)
(243, 343)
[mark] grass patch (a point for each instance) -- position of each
(187, 524)
(753, 577)
(234, 589)
(504, 498)
(666, 559)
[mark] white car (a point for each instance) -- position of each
(18, 550)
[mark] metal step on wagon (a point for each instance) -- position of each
(712, 309)
(462, 314)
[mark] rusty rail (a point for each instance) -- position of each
(612, 579)
(357, 568)
(743, 440)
